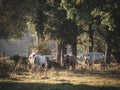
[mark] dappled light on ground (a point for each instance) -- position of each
(82, 78)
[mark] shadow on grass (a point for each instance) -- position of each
(106, 74)
(44, 86)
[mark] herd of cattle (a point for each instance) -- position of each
(38, 61)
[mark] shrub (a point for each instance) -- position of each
(43, 48)
(6, 67)
(16, 58)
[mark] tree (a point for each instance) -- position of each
(61, 29)
(13, 17)
(79, 12)
(103, 14)
(40, 18)
(106, 20)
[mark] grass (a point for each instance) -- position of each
(80, 79)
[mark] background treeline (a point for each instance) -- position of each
(92, 25)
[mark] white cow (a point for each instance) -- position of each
(38, 62)
(41, 58)
(95, 57)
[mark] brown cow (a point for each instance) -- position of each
(69, 60)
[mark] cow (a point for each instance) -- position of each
(38, 62)
(69, 60)
(95, 58)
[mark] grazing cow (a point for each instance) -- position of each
(38, 62)
(95, 58)
(69, 60)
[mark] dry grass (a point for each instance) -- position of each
(82, 78)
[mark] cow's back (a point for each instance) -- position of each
(40, 59)
(70, 60)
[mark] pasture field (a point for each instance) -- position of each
(82, 78)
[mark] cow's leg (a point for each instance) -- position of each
(38, 68)
(33, 69)
(67, 66)
(46, 67)
(73, 66)
(86, 62)
(103, 65)
(43, 70)
(90, 65)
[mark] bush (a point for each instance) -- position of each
(16, 58)
(21, 63)
(56, 65)
(6, 67)
(43, 48)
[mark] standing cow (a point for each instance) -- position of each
(69, 60)
(95, 58)
(38, 62)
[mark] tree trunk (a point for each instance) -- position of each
(108, 51)
(38, 38)
(74, 48)
(91, 33)
(64, 51)
(108, 46)
(116, 54)
(3, 55)
(59, 53)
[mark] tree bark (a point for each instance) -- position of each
(74, 49)
(3, 55)
(64, 51)
(108, 50)
(59, 53)
(38, 38)
(91, 33)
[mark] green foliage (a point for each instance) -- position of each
(99, 42)
(76, 10)
(40, 17)
(59, 19)
(13, 17)
(105, 18)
